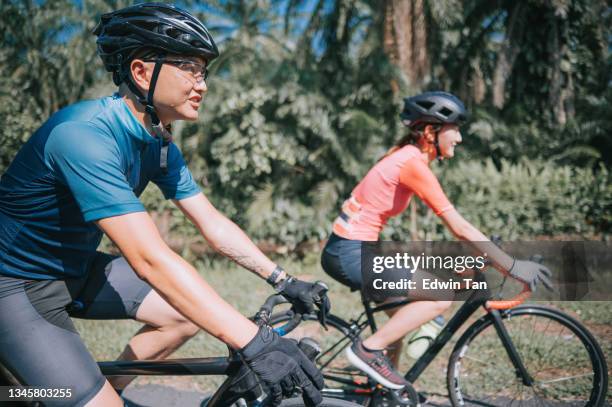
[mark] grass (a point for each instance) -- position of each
(106, 339)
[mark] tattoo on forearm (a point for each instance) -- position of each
(245, 261)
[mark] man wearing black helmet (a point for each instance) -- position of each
(79, 176)
(433, 120)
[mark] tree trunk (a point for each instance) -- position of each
(506, 57)
(561, 84)
(405, 39)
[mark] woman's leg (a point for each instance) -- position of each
(404, 320)
(394, 350)
(426, 306)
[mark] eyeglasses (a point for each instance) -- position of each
(197, 71)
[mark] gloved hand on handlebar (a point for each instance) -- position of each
(531, 273)
(304, 295)
(281, 365)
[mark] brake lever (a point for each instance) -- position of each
(322, 317)
(321, 304)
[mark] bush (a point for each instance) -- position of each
(518, 201)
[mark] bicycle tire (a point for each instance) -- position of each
(549, 343)
(327, 402)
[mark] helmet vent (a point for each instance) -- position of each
(433, 107)
(425, 104)
(446, 111)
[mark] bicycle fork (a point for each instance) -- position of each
(520, 369)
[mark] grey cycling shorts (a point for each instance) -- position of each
(39, 344)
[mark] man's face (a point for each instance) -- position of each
(180, 87)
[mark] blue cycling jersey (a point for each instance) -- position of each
(89, 161)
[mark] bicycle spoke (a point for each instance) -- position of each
(553, 347)
(482, 362)
(538, 342)
(561, 379)
(548, 355)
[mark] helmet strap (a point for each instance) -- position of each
(437, 145)
(159, 131)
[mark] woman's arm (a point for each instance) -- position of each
(174, 279)
(464, 230)
(419, 178)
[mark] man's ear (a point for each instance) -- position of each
(141, 74)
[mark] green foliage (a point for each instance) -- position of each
(529, 199)
(47, 61)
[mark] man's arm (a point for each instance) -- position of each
(225, 236)
(174, 279)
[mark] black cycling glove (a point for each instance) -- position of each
(281, 366)
(304, 295)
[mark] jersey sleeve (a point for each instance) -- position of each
(177, 182)
(417, 176)
(85, 160)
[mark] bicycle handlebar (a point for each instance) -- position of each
(518, 299)
(265, 312)
(513, 302)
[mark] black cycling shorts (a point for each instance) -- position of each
(39, 344)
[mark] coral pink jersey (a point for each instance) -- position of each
(386, 191)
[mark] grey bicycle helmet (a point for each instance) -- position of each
(162, 28)
(434, 108)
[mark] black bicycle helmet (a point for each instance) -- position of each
(162, 28)
(158, 26)
(433, 108)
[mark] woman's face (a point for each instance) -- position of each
(179, 89)
(448, 137)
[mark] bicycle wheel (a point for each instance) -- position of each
(564, 360)
(333, 342)
(327, 402)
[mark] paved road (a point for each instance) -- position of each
(154, 395)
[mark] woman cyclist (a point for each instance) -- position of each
(433, 120)
(79, 176)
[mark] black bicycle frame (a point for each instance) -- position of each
(183, 367)
(476, 300)
(168, 367)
